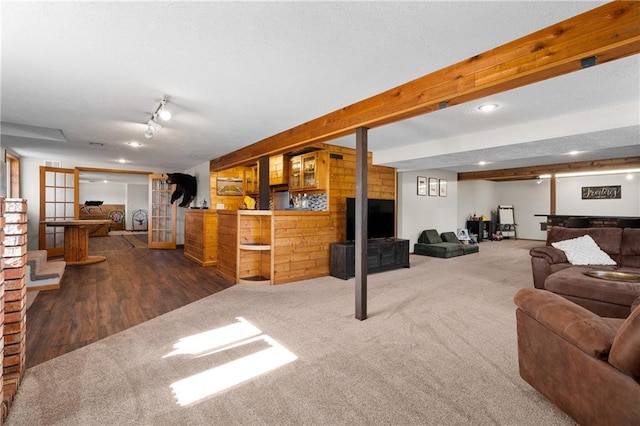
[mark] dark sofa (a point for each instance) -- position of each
(552, 271)
(587, 365)
(446, 245)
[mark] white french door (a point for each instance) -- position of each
(58, 201)
(162, 214)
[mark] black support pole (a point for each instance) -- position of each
(361, 223)
(263, 183)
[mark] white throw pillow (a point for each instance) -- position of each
(583, 251)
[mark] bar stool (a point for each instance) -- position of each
(577, 222)
(627, 223)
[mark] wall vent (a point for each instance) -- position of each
(52, 163)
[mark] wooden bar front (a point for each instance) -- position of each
(299, 246)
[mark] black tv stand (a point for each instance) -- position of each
(383, 254)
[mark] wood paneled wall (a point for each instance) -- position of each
(230, 202)
(301, 240)
(382, 183)
(301, 245)
(227, 244)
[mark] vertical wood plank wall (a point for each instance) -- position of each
(230, 202)
(302, 240)
(227, 244)
(201, 236)
(382, 183)
(301, 245)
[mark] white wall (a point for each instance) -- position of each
(109, 193)
(530, 198)
(30, 190)
(477, 197)
(201, 173)
(417, 213)
(570, 202)
(137, 198)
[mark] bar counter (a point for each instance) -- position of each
(264, 247)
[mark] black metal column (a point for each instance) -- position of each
(361, 223)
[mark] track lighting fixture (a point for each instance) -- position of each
(148, 133)
(153, 126)
(163, 113)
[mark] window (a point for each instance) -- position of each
(12, 175)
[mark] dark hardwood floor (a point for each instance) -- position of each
(95, 301)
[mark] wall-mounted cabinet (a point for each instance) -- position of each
(278, 170)
(309, 171)
(252, 180)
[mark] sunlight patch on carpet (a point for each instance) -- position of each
(207, 383)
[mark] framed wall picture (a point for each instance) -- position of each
(433, 187)
(422, 185)
(443, 187)
(228, 186)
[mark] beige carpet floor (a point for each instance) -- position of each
(438, 348)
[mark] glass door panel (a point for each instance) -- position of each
(57, 202)
(162, 217)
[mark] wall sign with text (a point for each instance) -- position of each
(601, 192)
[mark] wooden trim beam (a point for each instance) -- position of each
(606, 33)
(523, 173)
(101, 170)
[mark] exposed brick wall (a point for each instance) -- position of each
(3, 410)
(14, 297)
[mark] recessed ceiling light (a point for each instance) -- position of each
(482, 163)
(122, 161)
(487, 107)
(573, 152)
(134, 144)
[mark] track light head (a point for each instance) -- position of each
(163, 113)
(154, 125)
(148, 133)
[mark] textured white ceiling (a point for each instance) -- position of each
(238, 72)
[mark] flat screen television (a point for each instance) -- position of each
(381, 218)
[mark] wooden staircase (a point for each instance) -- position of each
(43, 274)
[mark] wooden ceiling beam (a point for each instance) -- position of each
(532, 172)
(608, 32)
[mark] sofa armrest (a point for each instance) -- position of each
(550, 254)
(541, 260)
(580, 327)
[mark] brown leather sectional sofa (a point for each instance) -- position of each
(614, 299)
(587, 365)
